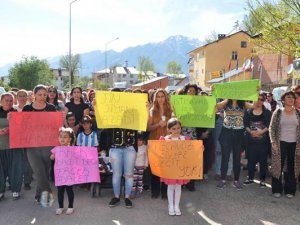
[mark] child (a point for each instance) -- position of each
(141, 163)
(66, 138)
(87, 137)
(70, 119)
(174, 185)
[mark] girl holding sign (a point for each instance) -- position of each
(174, 185)
(66, 138)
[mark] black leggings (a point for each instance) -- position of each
(61, 193)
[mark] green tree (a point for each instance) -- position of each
(29, 72)
(173, 68)
(100, 85)
(277, 24)
(145, 64)
(64, 62)
(84, 82)
(3, 84)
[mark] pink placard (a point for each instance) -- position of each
(76, 165)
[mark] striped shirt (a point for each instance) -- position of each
(87, 140)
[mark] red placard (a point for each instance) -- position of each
(34, 129)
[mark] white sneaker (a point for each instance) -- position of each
(16, 195)
(171, 210)
(177, 211)
(1, 195)
(277, 195)
(69, 211)
(289, 196)
(59, 211)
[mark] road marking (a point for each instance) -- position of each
(210, 221)
(116, 222)
(33, 221)
(267, 222)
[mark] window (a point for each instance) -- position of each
(131, 82)
(131, 75)
(119, 76)
(243, 44)
(234, 55)
(124, 75)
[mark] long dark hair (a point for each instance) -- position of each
(72, 98)
(240, 103)
(56, 95)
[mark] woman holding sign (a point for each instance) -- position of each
(160, 113)
(231, 138)
(11, 160)
(39, 158)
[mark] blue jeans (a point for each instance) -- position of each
(122, 162)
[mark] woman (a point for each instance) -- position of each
(272, 102)
(192, 90)
(77, 105)
(160, 113)
(52, 98)
(39, 157)
(21, 100)
(285, 139)
(257, 122)
(11, 161)
(231, 138)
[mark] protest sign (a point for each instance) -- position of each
(75, 165)
(121, 110)
(195, 111)
(4, 139)
(34, 129)
(238, 90)
(176, 159)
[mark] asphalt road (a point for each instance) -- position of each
(207, 205)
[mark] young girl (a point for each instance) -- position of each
(174, 185)
(70, 118)
(66, 138)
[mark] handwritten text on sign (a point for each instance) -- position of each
(176, 159)
(195, 111)
(238, 90)
(121, 110)
(75, 165)
(34, 129)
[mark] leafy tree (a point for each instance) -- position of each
(277, 24)
(174, 68)
(3, 84)
(84, 82)
(64, 62)
(145, 64)
(29, 72)
(100, 85)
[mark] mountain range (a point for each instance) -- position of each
(173, 48)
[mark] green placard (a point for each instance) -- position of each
(195, 111)
(238, 90)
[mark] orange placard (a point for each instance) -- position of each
(34, 129)
(174, 159)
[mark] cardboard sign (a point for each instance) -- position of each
(176, 159)
(121, 110)
(76, 165)
(238, 90)
(195, 111)
(34, 129)
(4, 139)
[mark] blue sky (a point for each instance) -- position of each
(40, 27)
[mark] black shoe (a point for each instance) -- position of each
(248, 181)
(27, 187)
(191, 188)
(114, 202)
(154, 195)
(164, 196)
(128, 203)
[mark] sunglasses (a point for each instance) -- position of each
(52, 91)
(261, 99)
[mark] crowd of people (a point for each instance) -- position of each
(264, 129)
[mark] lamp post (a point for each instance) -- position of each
(70, 49)
(105, 55)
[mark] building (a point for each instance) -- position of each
(124, 76)
(62, 77)
(213, 59)
(154, 83)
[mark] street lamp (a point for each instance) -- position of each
(70, 34)
(106, 51)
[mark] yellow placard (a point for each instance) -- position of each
(176, 159)
(121, 110)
